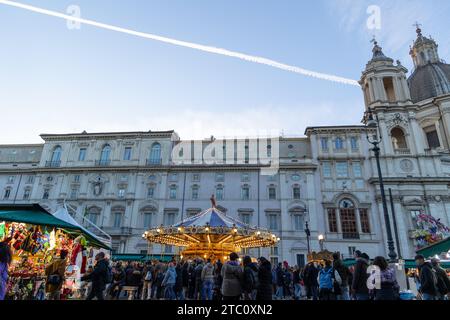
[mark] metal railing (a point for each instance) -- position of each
(153, 162)
(53, 164)
(102, 163)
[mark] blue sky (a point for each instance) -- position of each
(57, 80)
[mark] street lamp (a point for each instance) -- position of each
(375, 141)
(321, 241)
(308, 234)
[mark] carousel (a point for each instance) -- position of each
(211, 234)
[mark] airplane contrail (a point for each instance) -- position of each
(191, 45)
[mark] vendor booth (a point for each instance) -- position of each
(36, 237)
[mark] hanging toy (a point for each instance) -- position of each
(2, 230)
(52, 241)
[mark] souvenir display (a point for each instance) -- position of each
(430, 230)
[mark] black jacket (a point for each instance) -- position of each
(264, 291)
(343, 271)
(443, 282)
(427, 279)
(310, 274)
(185, 275)
(179, 280)
(250, 277)
(360, 276)
(98, 276)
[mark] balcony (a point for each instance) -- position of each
(153, 162)
(53, 164)
(351, 236)
(102, 163)
(118, 231)
(402, 151)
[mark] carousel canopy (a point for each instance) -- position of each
(213, 218)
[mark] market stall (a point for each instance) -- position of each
(36, 237)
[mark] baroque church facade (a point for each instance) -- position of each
(127, 182)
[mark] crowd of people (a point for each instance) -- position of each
(241, 279)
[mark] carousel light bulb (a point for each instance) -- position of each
(207, 229)
(235, 230)
(258, 233)
(278, 239)
(158, 230)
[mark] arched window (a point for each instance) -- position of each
(172, 192)
(245, 192)
(195, 192)
(219, 192)
(56, 155)
(93, 215)
(398, 139)
(296, 192)
(155, 154)
(105, 155)
(348, 219)
(339, 144)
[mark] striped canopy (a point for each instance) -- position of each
(211, 217)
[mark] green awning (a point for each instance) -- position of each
(435, 249)
(36, 215)
(409, 263)
(141, 257)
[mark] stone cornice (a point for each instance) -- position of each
(108, 135)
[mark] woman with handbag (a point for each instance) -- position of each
(55, 276)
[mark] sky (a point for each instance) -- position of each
(55, 79)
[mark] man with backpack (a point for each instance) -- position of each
(427, 279)
(207, 278)
(343, 292)
(55, 276)
(251, 281)
(100, 277)
(327, 277)
(443, 282)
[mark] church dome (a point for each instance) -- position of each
(429, 81)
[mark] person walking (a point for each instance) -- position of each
(169, 281)
(327, 276)
(99, 277)
(179, 290)
(185, 279)
(198, 279)
(279, 294)
(207, 278)
(388, 284)
(55, 273)
(360, 276)
(250, 283)
(310, 274)
(232, 278)
(217, 295)
(5, 261)
(296, 280)
(148, 280)
(427, 279)
(264, 290)
(191, 280)
(443, 282)
(118, 281)
(345, 274)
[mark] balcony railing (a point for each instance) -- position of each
(53, 164)
(153, 162)
(350, 236)
(402, 151)
(102, 163)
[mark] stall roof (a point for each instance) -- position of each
(409, 263)
(140, 257)
(435, 249)
(35, 214)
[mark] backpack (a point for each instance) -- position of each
(108, 275)
(148, 276)
(440, 284)
(326, 279)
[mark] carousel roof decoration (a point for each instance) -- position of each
(211, 233)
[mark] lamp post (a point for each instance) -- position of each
(321, 241)
(375, 142)
(308, 235)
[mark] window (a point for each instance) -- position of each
(246, 218)
(398, 139)
(414, 217)
(105, 155)
(195, 190)
(341, 169)
(121, 192)
(7, 194)
(173, 177)
(296, 177)
(326, 169)
(148, 217)
(220, 177)
(332, 220)
(269, 151)
(117, 219)
(324, 144)
(351, 251)
(357, 171)
(274, 251)
(245, 177)
(354, 143)
(274, 261)
(432, 137)
(272, 222)
(169, 219)
(196, 177)
(245, 193)
(76, 178)
(150, 192)
(364, 218)
(219, 193)
(348, 219)
(298, 222)
(127, 153)
(168, 249)
(56, 155)
(339, 144)
(389, 89)
(73, 193)
(296, 192)
(11, 179)
(82, 154)
(30, 179)
(26, 193)
(93, 215)
(155, 154)
(172, 192)
(272, 193)
(46, 194)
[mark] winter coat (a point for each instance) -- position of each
(119, 276)
(170, 277)
(179, 279)
(343, 271)
(310, 275)
(3, 279)
(133, 278)
(185, 275)
(99, 276)
(208, 272)
(427, 279)
(232, 279)
(296, 277)
(264, 291)
(56, 267)
(280, 276)
(443, 282)
(250, 277)
(360, 276)
(198, 273)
